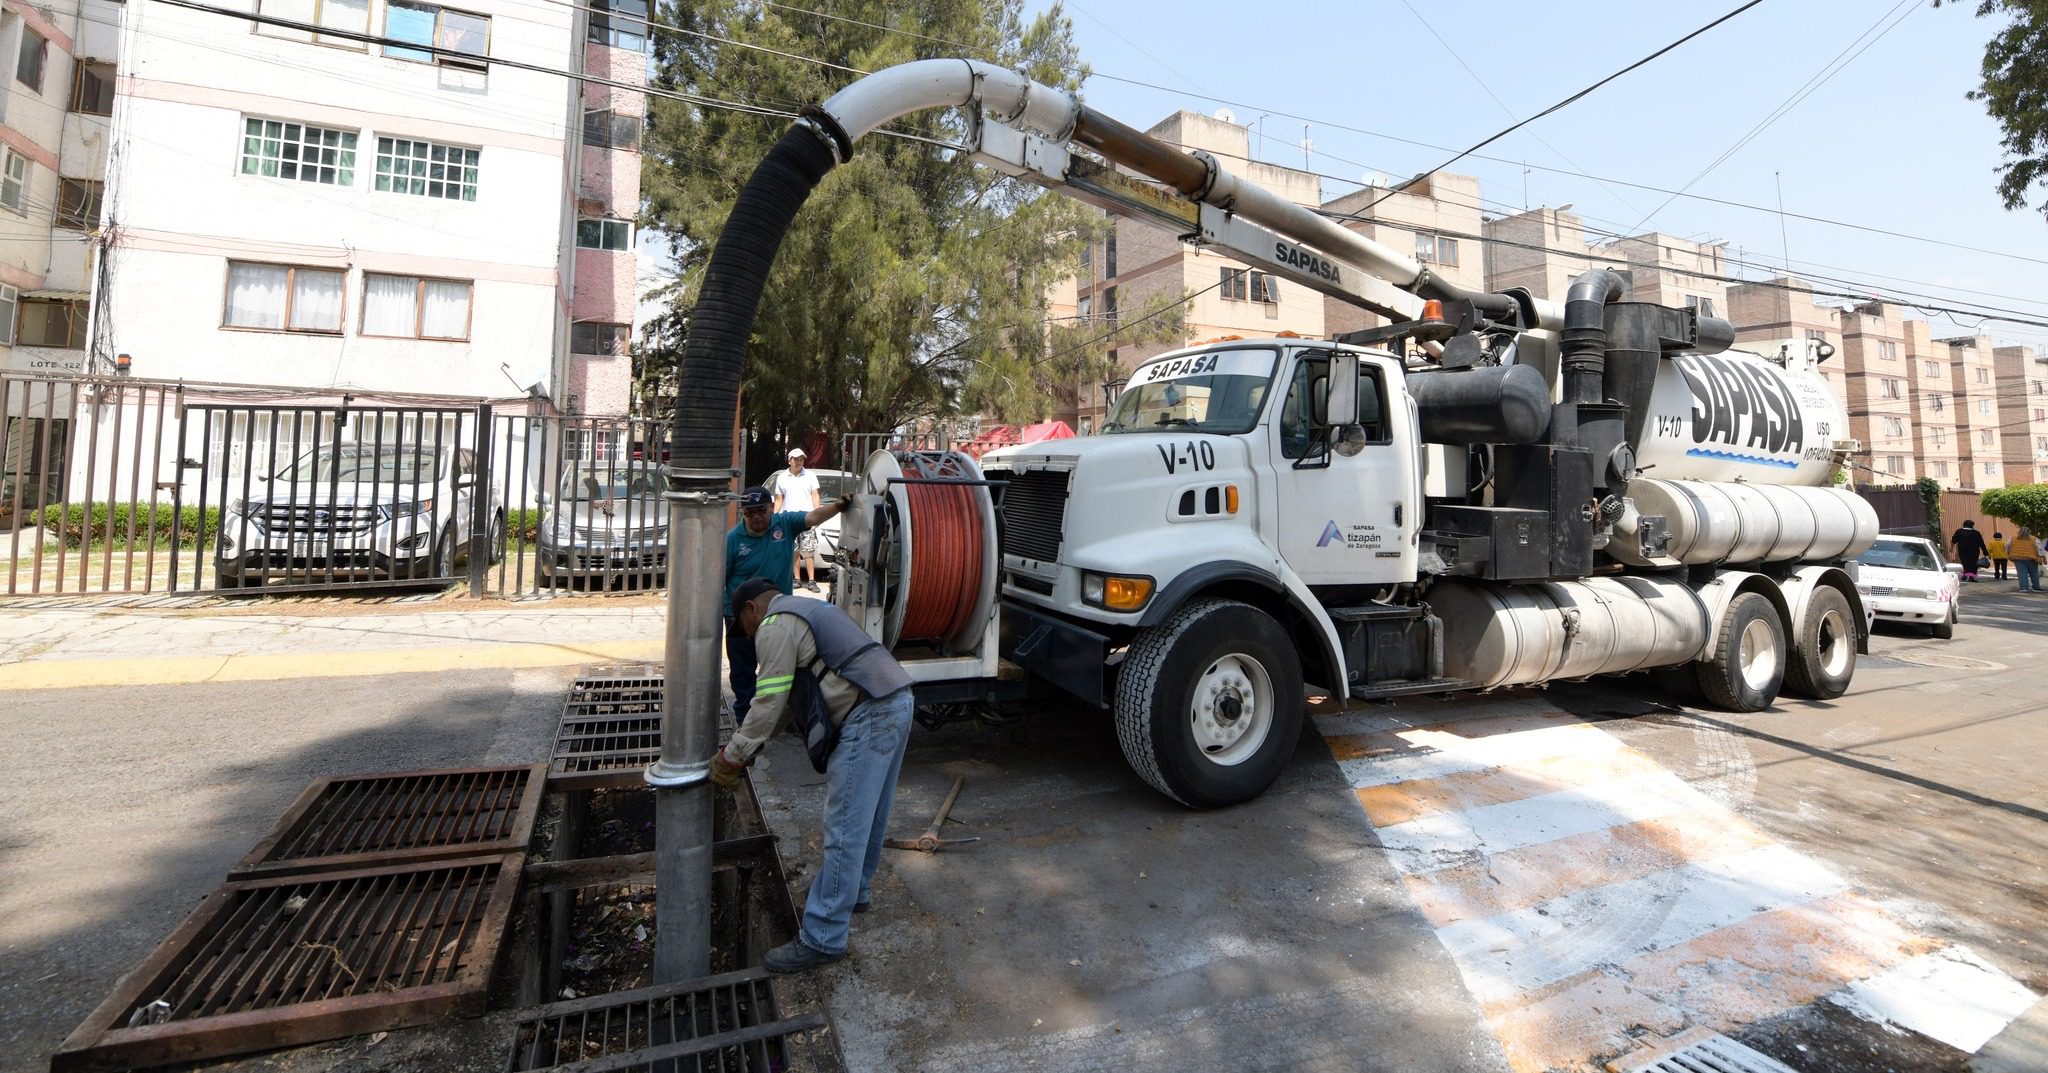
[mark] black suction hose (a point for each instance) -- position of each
(1583, 342)
(715, 351)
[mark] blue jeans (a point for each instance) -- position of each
(741, 667)
(860, 786)
(2030, 574)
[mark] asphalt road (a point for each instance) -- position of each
(1521, 882)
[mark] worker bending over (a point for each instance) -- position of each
(820, 669)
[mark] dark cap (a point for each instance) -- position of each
(756, 496)
(749, 591)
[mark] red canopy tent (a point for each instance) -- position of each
(1010, 435)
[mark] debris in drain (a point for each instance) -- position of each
(608, 948)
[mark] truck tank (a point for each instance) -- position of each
(1739, 417)
(1509, 635)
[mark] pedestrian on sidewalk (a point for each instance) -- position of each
(796, 488)
(762, 546)
(2026, 558)
(1996, 548)
(818, 666)
(1969, 548)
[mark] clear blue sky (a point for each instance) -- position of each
(1889, 141)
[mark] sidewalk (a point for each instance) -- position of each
(74, 646)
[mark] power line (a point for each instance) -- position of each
(1568, 101)
(1820, 78)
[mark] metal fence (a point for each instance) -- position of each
(118, 485)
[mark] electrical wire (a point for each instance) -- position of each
(1568, 101)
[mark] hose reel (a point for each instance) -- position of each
(930, 548)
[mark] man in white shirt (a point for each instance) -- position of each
(797, 489)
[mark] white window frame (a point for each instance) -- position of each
(1984, 407)
(606, 225)
(10, 300)
(17, 184)
(1264, 288)
(1889, 388)
(1894, 426)
(419, 308)
(267, 133)
(411, 163)
(319, 17)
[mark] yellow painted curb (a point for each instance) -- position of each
(191, 670)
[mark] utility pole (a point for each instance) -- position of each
(1783, 236)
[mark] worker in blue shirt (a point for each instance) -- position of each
(763, 545)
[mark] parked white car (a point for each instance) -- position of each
(357, 512)
(606, 525)
(1903, 579)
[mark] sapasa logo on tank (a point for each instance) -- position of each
(1742, 404)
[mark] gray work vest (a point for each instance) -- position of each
(843, 647)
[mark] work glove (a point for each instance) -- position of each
(726, 772)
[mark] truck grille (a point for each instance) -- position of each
(1035, 514)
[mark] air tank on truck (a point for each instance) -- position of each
(1491, 491)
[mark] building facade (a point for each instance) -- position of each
(2021, 375)
(307, 210)
(1973, 391)
(1939, 448)
(1433, 219)
(1881, 405)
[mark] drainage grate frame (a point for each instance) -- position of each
(1700, 1051)
(361, 821)
(289, 960)
(610, 730)
(731, 1023)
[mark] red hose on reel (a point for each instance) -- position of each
(946, 551)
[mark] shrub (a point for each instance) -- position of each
(81, 524)
(2023, 504)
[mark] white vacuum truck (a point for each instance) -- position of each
(1491, 491)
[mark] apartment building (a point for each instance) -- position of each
(400, 217)
(1543, 249)
(1785, 308)
(1435, 218)
(2021, 376)
(1139, 262)
(1939, 448)
(55, 99)
(1973, 379)
(1881, 404)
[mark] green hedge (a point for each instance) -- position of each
(71, 523)
(521, 525)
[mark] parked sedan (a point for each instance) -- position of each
(1903, 579)
(606, 524)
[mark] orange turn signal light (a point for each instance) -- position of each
(1433, 311)
(1230, 498)
(1126, 593)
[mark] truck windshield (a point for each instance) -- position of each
(363, 463)
(1219, 391)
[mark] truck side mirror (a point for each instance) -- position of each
(1340, 406)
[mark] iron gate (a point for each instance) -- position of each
(323, 498)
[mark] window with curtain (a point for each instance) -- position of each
(350, 15)
(409, 307)
(52, 322)
(428, 169)
(461, 38)
(283, 298)
(284, 150)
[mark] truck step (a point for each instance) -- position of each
(1408, 688)
(1374, 613)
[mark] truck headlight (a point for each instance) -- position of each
(1115, 593)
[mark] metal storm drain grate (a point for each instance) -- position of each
(610, 732)
(1700, 1052)
(401, 816)
(719, 1024)
(284, 961)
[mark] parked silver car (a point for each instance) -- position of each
(606, 524)
(358, 512)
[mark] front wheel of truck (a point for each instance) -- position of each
(1209, 703)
